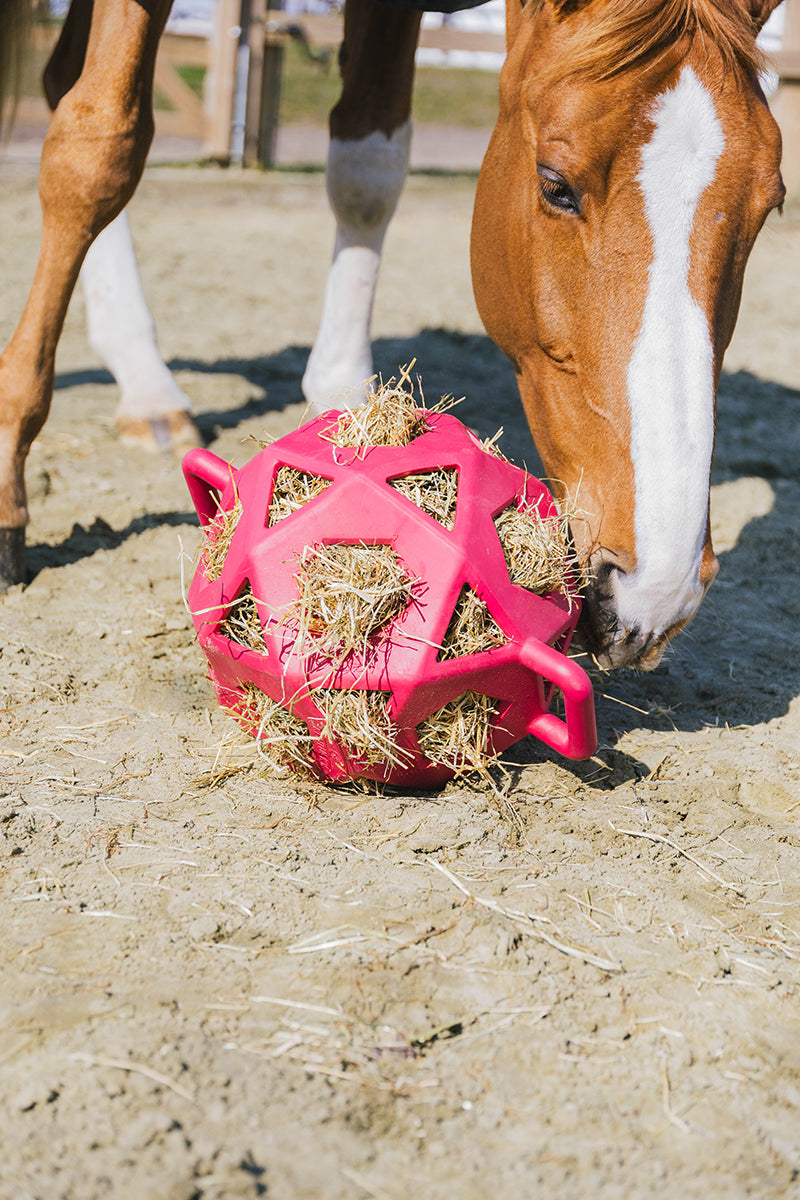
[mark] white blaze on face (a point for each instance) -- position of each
(670, 377)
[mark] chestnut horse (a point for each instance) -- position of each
(633, 162)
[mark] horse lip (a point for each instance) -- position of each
(607, 642)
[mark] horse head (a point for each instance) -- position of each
(632, 166)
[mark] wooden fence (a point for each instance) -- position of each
(249, 37)
(268, 33)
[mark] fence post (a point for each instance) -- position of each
(264, 78)
(270, 110)
(786, 105)
(220, 86)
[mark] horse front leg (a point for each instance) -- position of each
(92, 159)
(367, 166)
(153, 412)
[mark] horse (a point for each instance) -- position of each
(633, 162)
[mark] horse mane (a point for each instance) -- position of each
(626, 34)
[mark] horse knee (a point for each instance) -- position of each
(92, 159)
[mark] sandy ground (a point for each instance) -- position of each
(256, 990)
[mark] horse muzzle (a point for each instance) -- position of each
(609, 629)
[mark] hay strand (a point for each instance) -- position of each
(435, 492)
(243, 623)
(360, 722)
(348, 594)
(282, 739)
(538, 550)
(472, 629)
(291, 490)
(457, 736)
(217, 541)
(389, 415)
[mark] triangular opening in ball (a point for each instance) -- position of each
(457, 736)
(472, 628)
(242, 623)
(359, 721)
(435, 492)
(292, 489)
(349, 593)
(217, 537)
(283, 739)
(538, 550)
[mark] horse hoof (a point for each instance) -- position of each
(173, 433)
(12, 558)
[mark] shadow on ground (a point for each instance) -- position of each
(700, 682)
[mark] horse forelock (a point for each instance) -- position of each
(623, 35)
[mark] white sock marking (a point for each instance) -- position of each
(121, 328)
(670, 376)
(365, 179)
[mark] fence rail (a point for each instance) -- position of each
(211, 120)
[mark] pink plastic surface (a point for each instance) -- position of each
(361, 506)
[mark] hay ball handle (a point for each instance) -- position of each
(576, 736)
(207, 477)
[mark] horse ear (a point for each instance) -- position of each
(762, 10)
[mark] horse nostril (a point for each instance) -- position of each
(602, 570)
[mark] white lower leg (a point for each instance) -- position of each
(365, 179)
(121, 328)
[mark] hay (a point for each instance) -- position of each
(538, 551)
(243, 623)
(359, 721)
(435, 492)
(348, 594)
(457, 736)
(291, 490)
(217, 541)
(391, 415)
(489, 446)
(472, 628)
(283, 740)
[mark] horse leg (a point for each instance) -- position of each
(153, 412)
(367, 166)
(92, 159)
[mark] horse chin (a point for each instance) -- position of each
(611, 645)
(625, 648)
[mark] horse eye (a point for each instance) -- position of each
(556, 192)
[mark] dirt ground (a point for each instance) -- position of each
(259, 990)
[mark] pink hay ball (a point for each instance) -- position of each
(356, 502)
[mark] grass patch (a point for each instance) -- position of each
(441, 97)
